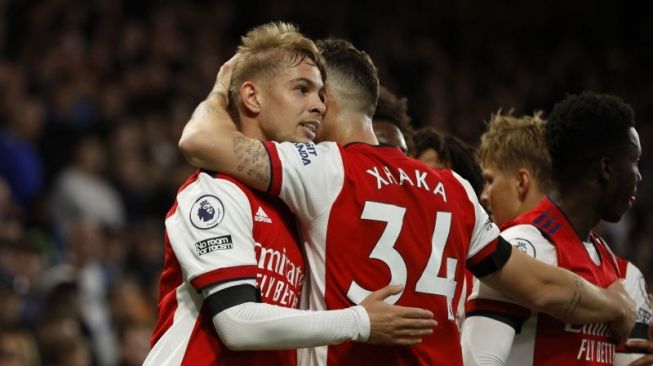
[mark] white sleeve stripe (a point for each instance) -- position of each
(485, 231)
(312, 176)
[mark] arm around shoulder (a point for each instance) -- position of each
(258, 326)
(562, 293)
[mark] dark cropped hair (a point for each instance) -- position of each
(581, 129)
(453, 151)
(395, 110)
(354, 70)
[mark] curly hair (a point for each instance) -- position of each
(354, 72)
(429, 138)
(392, 109)
(581, 129)
(451, 150)
(511, 142)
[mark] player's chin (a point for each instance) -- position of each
(617, 214)
(304, 136)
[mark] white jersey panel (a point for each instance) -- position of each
(170, 349)
(529, 240)
(211, 228)
(523, 345)
(312, 177)
(485, 231)
(636, 287)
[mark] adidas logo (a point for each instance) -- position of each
(261, 216)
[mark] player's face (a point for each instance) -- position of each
(625, 176)
(389, 134)
(431, 158)
(500, 196)
(292, 104)
(331, 126)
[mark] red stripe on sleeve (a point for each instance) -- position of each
(275, 168)
(487, 251)
(223, 274)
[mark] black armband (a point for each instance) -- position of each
(494, 261)
(640, 331)
(513, 321)
(230, 297)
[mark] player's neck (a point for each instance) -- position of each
(532, 198)
(251, 128)
(579, 207)
(356, 127)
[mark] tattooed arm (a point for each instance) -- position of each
(211, 140)
(563, 294)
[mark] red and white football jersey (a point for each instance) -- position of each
(545, 234)
(635, 284)
(370, 217)
(219, 231)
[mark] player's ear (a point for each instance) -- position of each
(605, 169)
(249, 94)
(524, 182)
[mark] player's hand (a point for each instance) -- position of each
(223, 80)
(393, 324)
(624, 324)
(646, 346)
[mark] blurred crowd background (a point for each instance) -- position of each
(94, 95)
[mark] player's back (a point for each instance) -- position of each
(396, 221)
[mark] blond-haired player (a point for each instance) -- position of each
(234, 268)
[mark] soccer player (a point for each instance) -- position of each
(371, 216)
(234, 269)
(444, 151)
(592, 175)
(391, 122)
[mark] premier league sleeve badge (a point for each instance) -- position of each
(207, 212)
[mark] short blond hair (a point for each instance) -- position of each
(267, 49)
(511, 142)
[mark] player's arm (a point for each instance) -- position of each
(210, 233)
(562, 293)
(243, 323)
(542, 287)
(210, 139)
(486, 341)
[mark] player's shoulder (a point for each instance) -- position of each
(306, 153)
(529, 240)
(627, 268)
(221, 187)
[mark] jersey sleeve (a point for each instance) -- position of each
(486, 342)
(485, 301)
(210, 232)
(259, 326)
(306, 176)
(636, 287)
(485, 232)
